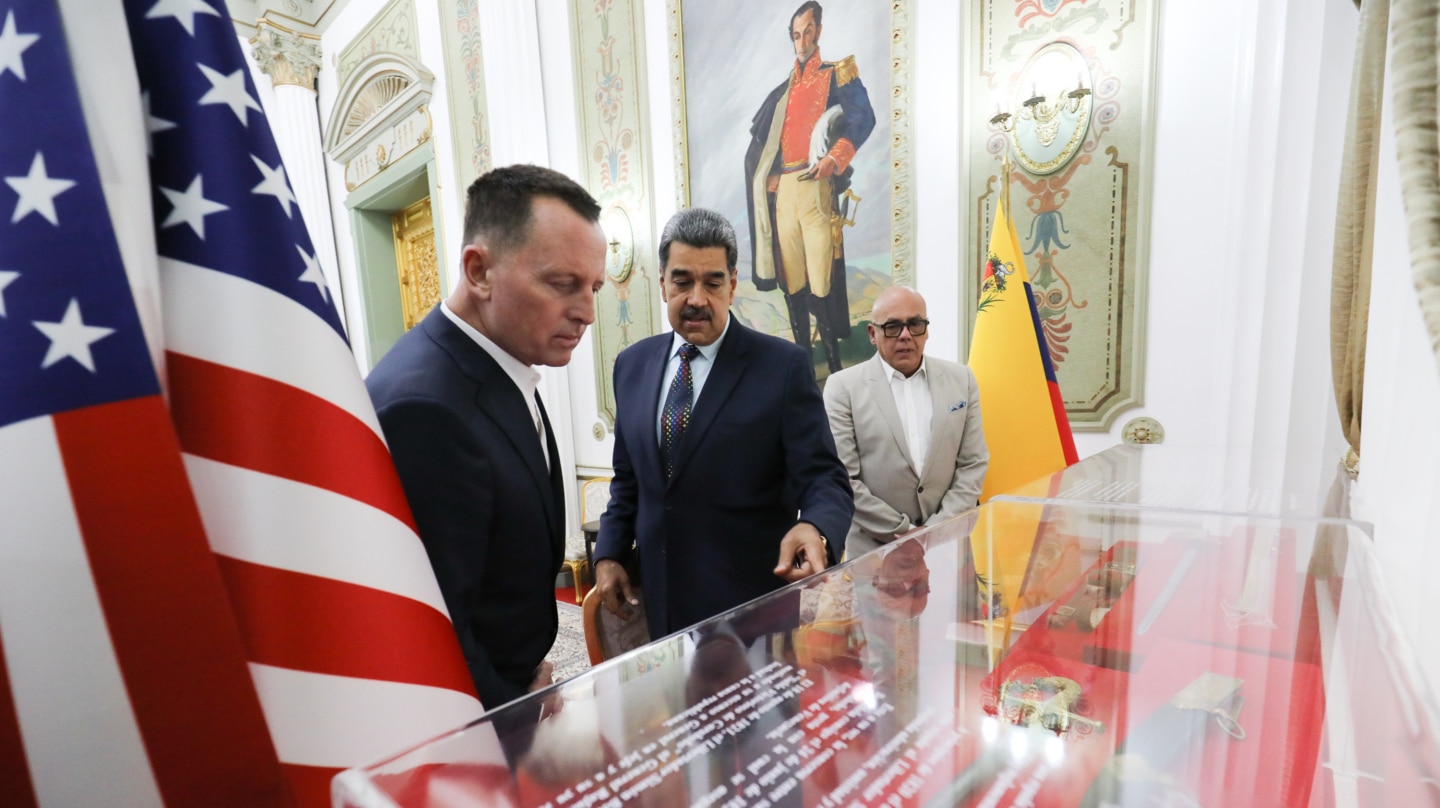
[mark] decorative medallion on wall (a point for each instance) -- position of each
(620, 236)
(615, 163)
(731, 65)
(1076, 78)
(1143, 430)
(465, 89)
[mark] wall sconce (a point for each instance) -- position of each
(1047, 129)
(620, 246)
(1041, 110)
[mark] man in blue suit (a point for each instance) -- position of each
(474, 447)
(727, 484)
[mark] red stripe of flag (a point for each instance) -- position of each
(1062, 419)
(257, 423)
(175, 639)
(310, 785)
(348, 630)
(1062, 422)
(15, 782)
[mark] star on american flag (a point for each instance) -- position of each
(239, 501)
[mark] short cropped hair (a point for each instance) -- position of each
(811, 5)
(498, 205)
(699, 228)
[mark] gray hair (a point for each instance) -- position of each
(699, 228)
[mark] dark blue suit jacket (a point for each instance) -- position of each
(490, 514)
(756, 458)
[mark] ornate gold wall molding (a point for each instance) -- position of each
(416, 261)
(902, 183)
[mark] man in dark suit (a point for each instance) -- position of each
(474, 447)
(726, 480)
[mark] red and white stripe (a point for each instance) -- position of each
(347, 638)
(350, 644)
(122, 675)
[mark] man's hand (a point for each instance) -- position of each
(906, 528)
(802, 553)
(825, 169)
(613, 583)
(772, 183)
(907, 531)
(544, 677)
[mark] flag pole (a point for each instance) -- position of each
(1005, 180)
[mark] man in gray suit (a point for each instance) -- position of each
(907, 428)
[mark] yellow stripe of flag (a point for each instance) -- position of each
(1020, 423)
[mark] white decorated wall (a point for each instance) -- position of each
(1249, 128)
(1241, 223)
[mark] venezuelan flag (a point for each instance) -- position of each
(1025, 424)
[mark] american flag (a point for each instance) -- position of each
(120, 646)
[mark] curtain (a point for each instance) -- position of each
(1354, 223)
(1414, 78)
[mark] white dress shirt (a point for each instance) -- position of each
(525, 377)
(699, 370)
(913, 402)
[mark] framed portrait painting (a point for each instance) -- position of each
(792, 121)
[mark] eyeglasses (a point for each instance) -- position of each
(917, 326)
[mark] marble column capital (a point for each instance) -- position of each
(285, 56)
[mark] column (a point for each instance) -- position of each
(291, 60)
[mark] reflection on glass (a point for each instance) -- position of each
(1028, 653)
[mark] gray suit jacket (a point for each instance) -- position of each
(890, 497)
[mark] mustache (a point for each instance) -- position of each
(696, 313)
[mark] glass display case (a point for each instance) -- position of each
(1253, 480)
(1029, 653)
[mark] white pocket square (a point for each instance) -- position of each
(959, 405)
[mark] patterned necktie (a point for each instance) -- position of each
(675, 415)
